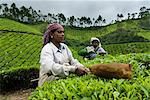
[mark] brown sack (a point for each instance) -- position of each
(113, 70)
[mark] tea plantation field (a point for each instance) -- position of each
(90, 87)
(21, 44)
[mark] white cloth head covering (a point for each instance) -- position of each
(94, 38)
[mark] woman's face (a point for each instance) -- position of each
(95, 43)
(58, 35)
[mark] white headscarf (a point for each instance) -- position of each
(94, 38)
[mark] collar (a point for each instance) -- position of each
(55, 49)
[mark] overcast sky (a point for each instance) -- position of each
(108, 9)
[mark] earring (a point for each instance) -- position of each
(51, 36)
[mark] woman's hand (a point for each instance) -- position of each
(81, 71)
(87, 70)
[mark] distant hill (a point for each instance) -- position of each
(122, 32)
(11, 25)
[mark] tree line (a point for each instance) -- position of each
(29, 15)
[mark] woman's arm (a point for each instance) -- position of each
(101, 51)
(48, 65)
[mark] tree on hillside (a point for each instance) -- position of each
(61, 18)
(49, 17)
(14, 11)
(40, 15)
(23, 12)
(104, 21)
(32, 15)
(71, 20)
(133, 15)
(81, 22)
(84, 22)
(99, 20)
(35, 15)
(148, 9)
(4, 10)
(77, 23)
(129, 16)
(54, 18)
(89, 22)
(44, 18)
(142, 11)
(119, 17)
(93, 21)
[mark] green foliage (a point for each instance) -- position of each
(19, 50)
(137, 47)
(145, 34)
(145, 23)
(18, 78)
(83, 52)
(39, 26)
(19, 60)
(90, 87)
(7, 24)
(75, 43)
(20, 53)
(122, 36)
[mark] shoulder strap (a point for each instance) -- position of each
(97, 49)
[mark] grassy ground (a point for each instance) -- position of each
(16, 95)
